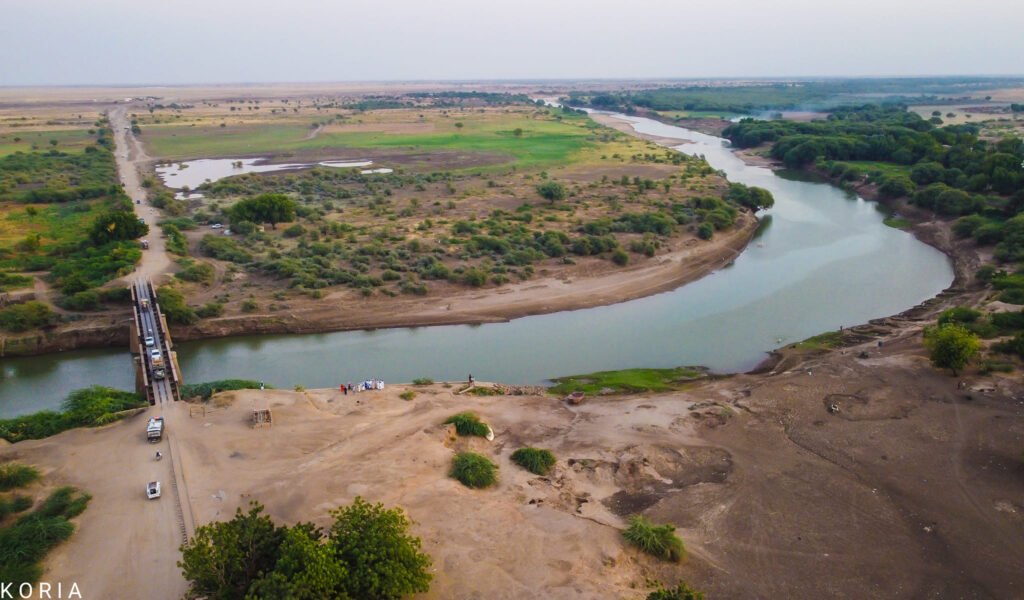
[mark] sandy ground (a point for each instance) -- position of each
(914, 489)
(130, 155)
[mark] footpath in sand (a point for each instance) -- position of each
(913, 489)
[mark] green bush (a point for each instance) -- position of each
(535, 460)
(706, 231)
(172, 304)
(176, 242)
(25, 543)
(474, 470)
(208, 389)
(407, 395)
(959, 314)
(657, 540)
(87, 300)
(210, 310)
(422, 381)
(620, 257)
(15, 505)
(15, 475)
(467, 423)
(88, 407)
(196, 271)
(29, 315)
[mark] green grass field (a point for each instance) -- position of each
(627, 381)
(543, 142)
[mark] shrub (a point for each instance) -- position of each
(422, 381)
(705, 231)
(552, 191)
(210, 310)
(172, 304)
(620, 257)
(87, 300)
(535, 460)
(199, 272)
(467, 423)
(474, 470)
(657, 540)
(29, 315)
(249, 306)
(88, 407)
(680, 592)
(407, 395)
(959, 314)
(14, 475)
(208, 389)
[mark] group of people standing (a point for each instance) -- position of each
(362, 386)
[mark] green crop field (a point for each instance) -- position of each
(542, 141)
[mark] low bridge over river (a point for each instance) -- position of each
(157, 374)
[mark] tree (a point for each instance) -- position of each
(384, 562)
(116, 226)
(265, 208)
(552, 191)
(306, 570)
(224, 558)
(951, 346)
(518, 132)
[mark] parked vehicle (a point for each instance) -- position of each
(155, 429)
(153, 490)
(145, 244)
(216, 226)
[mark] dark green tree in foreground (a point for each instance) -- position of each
(223, 559)
(951, 346)
(367, 554)
(265, 208)
(384, 562)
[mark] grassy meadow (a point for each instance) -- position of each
(524, 135)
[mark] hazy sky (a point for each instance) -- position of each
(230, 41)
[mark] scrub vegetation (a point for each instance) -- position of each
(627, 381)
(65, 219)
(26, 537)
(485, 191)
(474, 470)
(656, 540)
(88, 407)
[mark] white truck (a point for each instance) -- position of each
(153, 490)
(155, 429)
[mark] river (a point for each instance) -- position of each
(822, 259)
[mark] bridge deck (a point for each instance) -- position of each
(155, 356)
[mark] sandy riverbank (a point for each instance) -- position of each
(913, 489)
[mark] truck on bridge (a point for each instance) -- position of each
(156, 359)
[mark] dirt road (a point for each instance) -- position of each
(130, 156)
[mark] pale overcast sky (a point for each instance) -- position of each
(231, 41)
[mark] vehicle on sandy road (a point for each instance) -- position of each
(153, 490)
